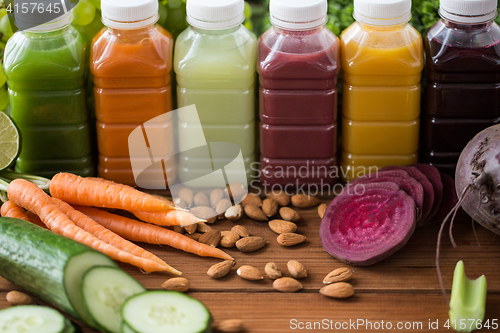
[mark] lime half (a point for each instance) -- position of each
(10, 141)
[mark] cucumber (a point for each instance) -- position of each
(166, 311)
(126, 329)
(47, 265)
(33, 318)
(104, 291)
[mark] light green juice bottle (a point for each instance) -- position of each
(215, 63)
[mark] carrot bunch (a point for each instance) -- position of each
(108, 233)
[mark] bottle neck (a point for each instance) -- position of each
(302, 32)
(46, 34)
(374, 27)
(466, 26)
(132, 32)
(216, 31)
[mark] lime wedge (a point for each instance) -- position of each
(10, 141)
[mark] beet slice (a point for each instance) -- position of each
(434, 177)
(362, 229)
(450, 198)
(429, 195)
(407, 183)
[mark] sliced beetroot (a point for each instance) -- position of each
(434, 177)
(407, 183)
(362, 229)
(426, 185)
(450, 198)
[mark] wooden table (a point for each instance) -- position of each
(401, 289)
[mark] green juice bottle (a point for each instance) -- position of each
(46, 68)
(215, 63)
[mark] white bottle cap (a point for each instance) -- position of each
(129, 14)
(215, 14)
(468, 11)
(382, 12)
(298, 14)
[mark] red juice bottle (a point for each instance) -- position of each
(463, 79)
(298, 67)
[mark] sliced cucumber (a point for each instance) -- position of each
(32, 318)
(104, 291)
(126, 328)
(166, 311)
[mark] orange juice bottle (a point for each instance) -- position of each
(131, 61)
(382, 61)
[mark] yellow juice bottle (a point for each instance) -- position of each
(382, 61)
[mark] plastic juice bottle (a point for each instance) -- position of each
(131, 62)
(215, 61)
(463, 79)
(382, 60)
(46, 69)
(298, 68)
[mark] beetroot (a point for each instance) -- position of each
(449, 197)
(426, 185)
(407, 183)
(365, 227)
(434, 176)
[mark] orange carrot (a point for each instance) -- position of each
(10, 209)
(106, 235)
(167, 218)
(29, 196)
(90, 192)
(35, 219)
(137, 231)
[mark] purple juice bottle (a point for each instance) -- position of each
(463, 79)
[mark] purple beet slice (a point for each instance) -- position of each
(362, 229)
(434, 177)
(407, 183)
(450, 198)
(426, 185)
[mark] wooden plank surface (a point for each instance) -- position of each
(403, 288)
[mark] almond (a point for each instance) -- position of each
(187, 195)
(322, 210)
(178, 229)
(211, 238)
(255, 213)
(215, 196)
(249, 273)
(229, 326)
(236, 191)
(203, 212)
(240, 230)
(221, 269)
(191, 229)
(282, 227)
(287, 285)
(179, 202)
(273, 271)
(338, 290)
(305, 201)
(341, 274)
(280, 197)
(179, 284)
(252, 199)
(290, 239)
(203, 227)
(296, 269)
(201, 199)
(18, 298)
(234, 213)
(250, 244)
(269, 207)
(289, 214)
(229, 239)
(196, 236)
(222, 206)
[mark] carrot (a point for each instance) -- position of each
(29, 196)
(106, 235)
(168, 218)
(10, 209)
(76, 190)
(143, 232)
(35, 219)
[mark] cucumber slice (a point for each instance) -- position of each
(126, 328)
(166, 311)
(31, 318)
(104, 291)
